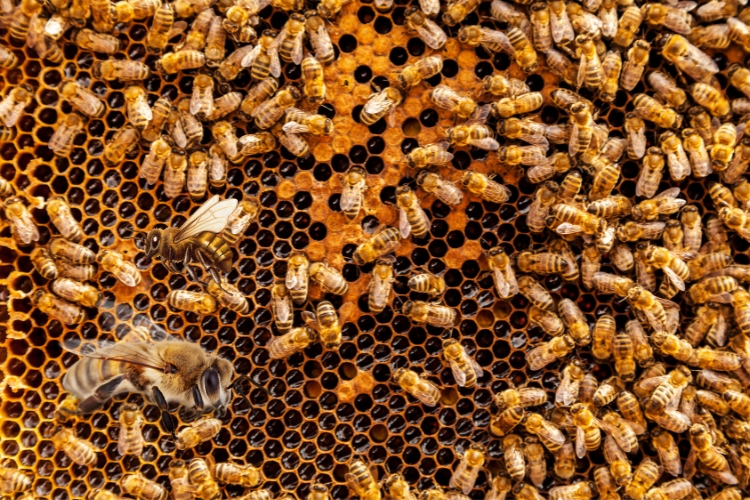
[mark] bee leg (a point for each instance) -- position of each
(197, 397)
(167, 421)
(100, 396)
(211, 270)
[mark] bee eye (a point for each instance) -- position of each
(211, 383)
(155, 240)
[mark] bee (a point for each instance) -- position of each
(739, 402)
(445, 191)
(294, 340)
(522, 104)
(197, 433)
(582, 128)
(675, 19)
(432, 313)
(560, 65)
(196, 37)
(688, 58)
(180, 61)
(62, 218)
(713, 288)
(583, 490)
(611, 69)
(712, 99)
(13, 104)
(243, 475)
(103, 13)
(362, 480)
(330, 279)
(535, 293)
(43, 263)
(197, 175)
(139, 112)
(541, 26)
(217, 177)
(464, 107)
(546, 320)
(23, 227)
(458, 10)
(159, 114)
(603, 337)
(202, 100)
(588, 436)
(573, 220)
(427, 283)
(226, 139)
(83, 99)
(239, 220)
(180, 482)
(263, 59)
(352, 196)
(590, 67)
(228, 296)
(667, 88)
(502, 271)
(326, 322)
(418, 386)
(196, 238)
(523, 155)
(696, 148)
(297, 277)
(547, 352)
(312, 75)
(544, 198)
(568, 390)
(215, 50)
(154, 161)
(619, 464)
(485, 187)
(175, 173)
(124, 142)
(270, 111)
(650, 109)
(644, 477)
(651, 173)
(669, 454)
(130, 441)
(722, 150)
(329, 8)
(199, 473)
(411, 216)
(319, 37)
(513, 455)
(673, 266)
(161, 28)
(21, 18)
(712, 402)
(231, 66)
(398, 488)
(381, 285)
(502, 424)
(196, 302)
(524, 53)
(501, 86)
(704, 449)
(97, 42)
(560, 27)
(491, 40)
(540, 263)
(547, 433)
(537, 466)
(691, 226)
(381, 104)
(382, 242)
(575, 321)
(427, 30)
(78, 450)
(520, 398)
(638, 56)
(8, 59)
(465, 475)
(86, 295)
(666, 203)
(605, 484)
(738, 166)
(302, 122)
(507, 13)
(668, 388)
(122, 70)
(125, 271)
(281, 307)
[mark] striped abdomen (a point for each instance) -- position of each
(215, 249)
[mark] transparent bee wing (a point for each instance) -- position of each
(250, 58)
(561, 27)
(279, 40)
(567, 392)
(298, 48)
(503, 286)
(487, 143)
(637, 139)
(377, 104)
(655, 323)
(311, 320)
(568, 228)
(431, 34)
(581, 78)
(195, 103)
(580, 443)
(652, 230)
(480, 114)
(679, 165)
(134, 353)
(677, 23)
(478, 371)
(14, 115)
(403, 223)
(637, 428)
(573, 141)
(430, 7)
(295, 128)
(458, 373)
(177, 28)
(283, 308)
(275, 68)
(609, 21)
(350, 196)
(211, 217)
(497, 37)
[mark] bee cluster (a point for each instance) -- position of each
(612, 363)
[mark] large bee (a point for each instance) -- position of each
(197, 239)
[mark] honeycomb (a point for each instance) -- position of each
(301, 433)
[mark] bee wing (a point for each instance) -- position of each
(350, 196)
(567, 392)
(573, 140)
(404, 226)
(278, 40)
(475, 366)
(580, 443)
(502, 285)
(297, 48)
(568, 228)
(311, 320)
(560, 27)
(275, 68)
(431, 34)
(458, 373)
(674, 279)
(637, 428)
(134, 353)
(652, 230)
(679, 165)
(671, 464)
(637, 140)
(195, 103)
(657, 325)
(460, 471)
(283, 308)
(295, 128)
(212, 217)
(250, 58)
(701, 59)
(351, 481)
(14, 115)
(609, 20)
(677, 23)
(487, 143)
(479, 115)
(581, 74)
(377, 104)
(177, 28)
(497, 37)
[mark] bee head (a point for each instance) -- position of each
(215, 382)
(154, 243)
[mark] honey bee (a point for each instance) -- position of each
(603, 337)
(722, 150)
(688, 58)
(644, 477)
(427, 283)
(491, 40)
(302, 122)
(228, 296)
(74, 271)
(444, 190)
(546, 320)
(502, 272)
(560, 27)
(568, 390)
(175, 174)
(669, 454)
(712, 99)
(675, 269)
(130, 441)
(154, 161)
(501, 86)
(544, 198)
(677, 160)
(485, 187)
(22, 224)
(196, 37)
(605, 484)
(330, 279)
(381, 285)
(83, 99)
(197, 433)
(362, 480)
(121, 70)
(159, 114)
(270, 111)
(712, 402)
(161, 28)
(575, 321)
(611, 70)
(677, 488)
(703, 447)
(508, 419)
(457, 11)
(217, 177)
(326, 322)
(139, 112)
(382, 242)
(651, 173)
(696, 148)
(124, 142)
(463, 106)
(638, 56)
(13, 104)
(739, 402)
(667, 88)
(319, 37)
(411, 76)
(78, 450)
(540, 263)
(197, 175)
(71, 290)
(398, 488)
(715, 36)
(243, 475)
(231, 67)
(547, 352)
(180, 482)
(199, 473)
(513, 456)
(573, 220)
(549, 435)
(522, 104)
(215, 50)
(62, 218)
(43, 263)
(432, 313)
(381, 104)
(560, 65)
(411, 216)
(125, 271)
(560, 247)
(24, 14)
(180, 61)
(312, 75)
(541, 26)
(432, 35)
(97, 42)
(295, 340)
(264, 58)
(675, 19)
(226, 139)
(524, 53)
(619, 465)
(465, 475)
(590, 67)
(202, 100)
(650, 109)
(583, 490)
(282, 307)
(418, 386)
(196, 302)
(297, 277)
(14, 480)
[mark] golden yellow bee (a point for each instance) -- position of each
(363, 480)
(412, 218)
(712, 99)
(197, 302)
(575, 321)
(14, 480)
(398, 488)
(319, 37)
(549, 435)
(83, 99)
(180, 482)
(215, 43)
(688, 58)
(227, 295)
(465, 369)
(650, 109)
(501, 86)
(313, 78)
(43, 263)
(382, 242)
(202, 480)
(518, 105)
(255, 144)
(632, 71)
(547, 352)
(544, 198)
(197, 175)
(78, 450)
(291, 342)
(153, 163)
(546, 320)
(520, 398)
(432, 313)
(61, 310)
(180, 61)
(61, 141)
(125, 141)
(130, 441)
(444, 190)
(463, 106)
(159, 116)
(198, 432)
(326, 322)
(243, 475)
(381, 285)
(270, 111)
(485, 187)
(86, 295)
(381, 104)
(513, 456)
(124, 270)
(705, 451)
(619, 464)
(418, 386)
(120, 70)
(297, 121)
(502, 272)
(328, 278)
